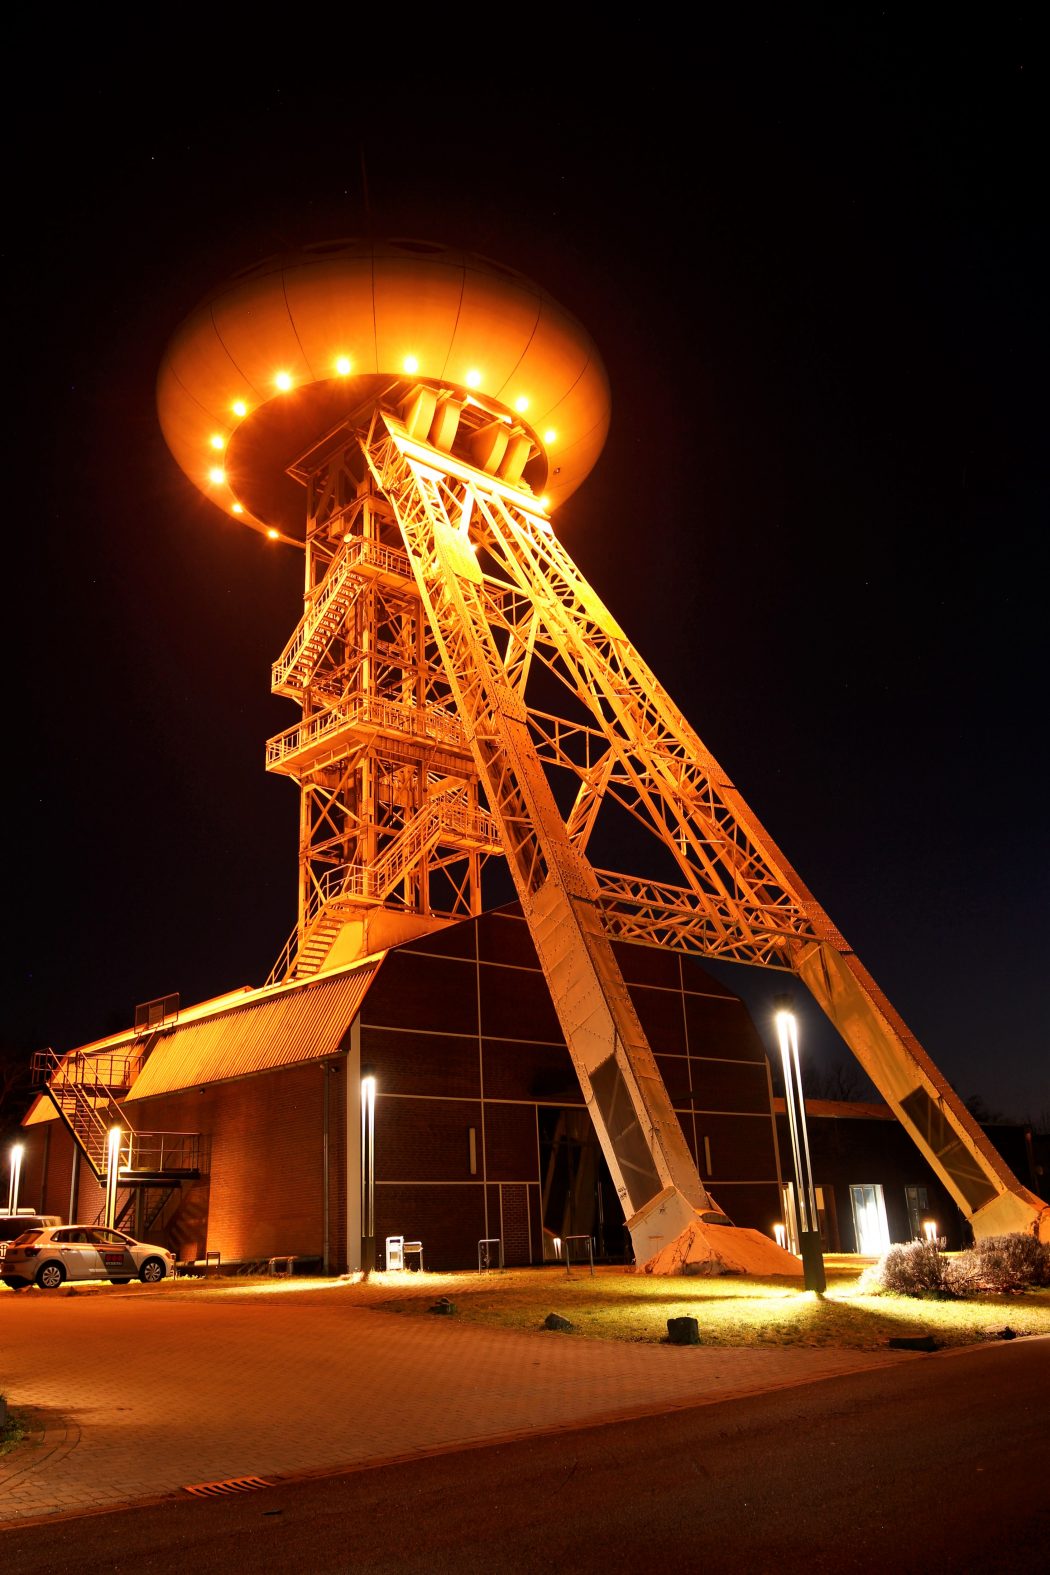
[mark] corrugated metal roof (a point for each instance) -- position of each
(278, 1028)
(40, 1110)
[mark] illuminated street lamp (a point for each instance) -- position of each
(805, 1195)
(368, 1173)
(112, 1175)
(17, 1151)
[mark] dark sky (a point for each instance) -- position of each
(815, 263)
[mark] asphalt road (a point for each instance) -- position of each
(941, 1464)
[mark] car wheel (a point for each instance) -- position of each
(13, 1283)
(49, 1276)
(152, 1271)
(124, 1281)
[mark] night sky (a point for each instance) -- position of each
(815, 265)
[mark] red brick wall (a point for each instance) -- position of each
(448, 1220)
(425, 1139)
(266, 1163)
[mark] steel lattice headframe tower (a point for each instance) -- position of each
(466, 693)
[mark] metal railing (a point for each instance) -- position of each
(373, 883)
(81, 1089)
(568, 1255)
(358, 712)
(327, 610)
(159, 1151)
(102, 1072)
(485, 1255)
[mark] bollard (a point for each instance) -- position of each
(683, 1331)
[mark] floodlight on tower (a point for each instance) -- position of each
(435, 592)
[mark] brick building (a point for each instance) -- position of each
(873, 1185)
(480, 1127)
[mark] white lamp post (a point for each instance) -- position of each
(112, 1175)
(17, 1150)
(805, 1195)
(368, 1173)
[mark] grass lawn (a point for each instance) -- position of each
(615, 1305)
(620, 1305)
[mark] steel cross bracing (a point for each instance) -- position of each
(640, 1134)
(503, 600)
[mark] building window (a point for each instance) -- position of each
(918, 1209)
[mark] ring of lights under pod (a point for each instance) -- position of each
(285, 350)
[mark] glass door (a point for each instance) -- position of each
(869, 1220)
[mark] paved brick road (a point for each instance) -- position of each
(138, 1394)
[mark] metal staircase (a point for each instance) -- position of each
(441, 822)
(357, 563)
(84, 1090)
(155, 1201)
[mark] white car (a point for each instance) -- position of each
(81, 1252)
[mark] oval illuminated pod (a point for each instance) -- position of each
(340, 324)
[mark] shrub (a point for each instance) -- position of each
(962, 1274)
(995, 1265)
(1012, 1263)
(915, 1269)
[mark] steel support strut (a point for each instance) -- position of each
(741, 898)
(650, 1163)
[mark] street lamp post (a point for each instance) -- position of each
(17, 1151)
(368, 1173)
(112, 1175)
(805, 1194)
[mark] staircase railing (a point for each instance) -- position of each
(358, 711)
(358, 554)
(81, 1089)
(375, 882)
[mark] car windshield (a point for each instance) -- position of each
(26, 1238)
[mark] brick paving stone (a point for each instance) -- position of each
(139, 1398)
